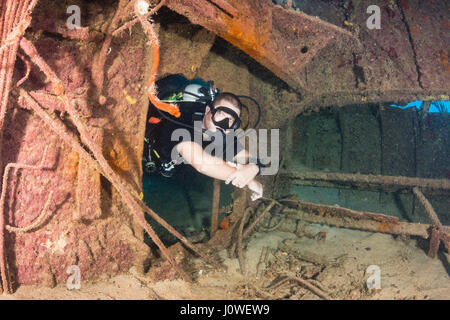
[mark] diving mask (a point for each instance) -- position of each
(225, 118)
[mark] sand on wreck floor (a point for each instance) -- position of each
(406, 272)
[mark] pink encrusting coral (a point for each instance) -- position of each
(92, 223)
(61, 241)
(14, 18)
(98, 245)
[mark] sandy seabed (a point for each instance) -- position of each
(337, 264)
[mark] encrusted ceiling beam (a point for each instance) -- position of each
(283, 41)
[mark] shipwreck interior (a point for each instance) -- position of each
(366, 139)
(190, 207)
(376, 140)
(357, 169)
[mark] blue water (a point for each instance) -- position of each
(184, 201)
(435, 107)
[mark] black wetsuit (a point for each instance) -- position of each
(159, 135)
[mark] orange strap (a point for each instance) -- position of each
(151, 91)
(154, 120)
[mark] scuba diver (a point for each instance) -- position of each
(207, 113)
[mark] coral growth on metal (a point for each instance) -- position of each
(407, 57)
(50, 199)
(55, 210)
(283, 41)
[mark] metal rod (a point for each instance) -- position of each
(428, 207)
(215, 207)
(250, 228)
(362, 180)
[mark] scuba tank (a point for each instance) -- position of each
(193, 93)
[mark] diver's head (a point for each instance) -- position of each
(223, 114)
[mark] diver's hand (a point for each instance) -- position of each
(256, 188)
(243, 175)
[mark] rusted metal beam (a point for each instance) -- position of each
(252, 226)
(428, 207)
(330, 184)
(352, 219)
(215, 207)
(437, 235)
(284, 41)
(225, 6)
(389, 183)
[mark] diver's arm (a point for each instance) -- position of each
(242, 156)
(216, 168)
(203, 162)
